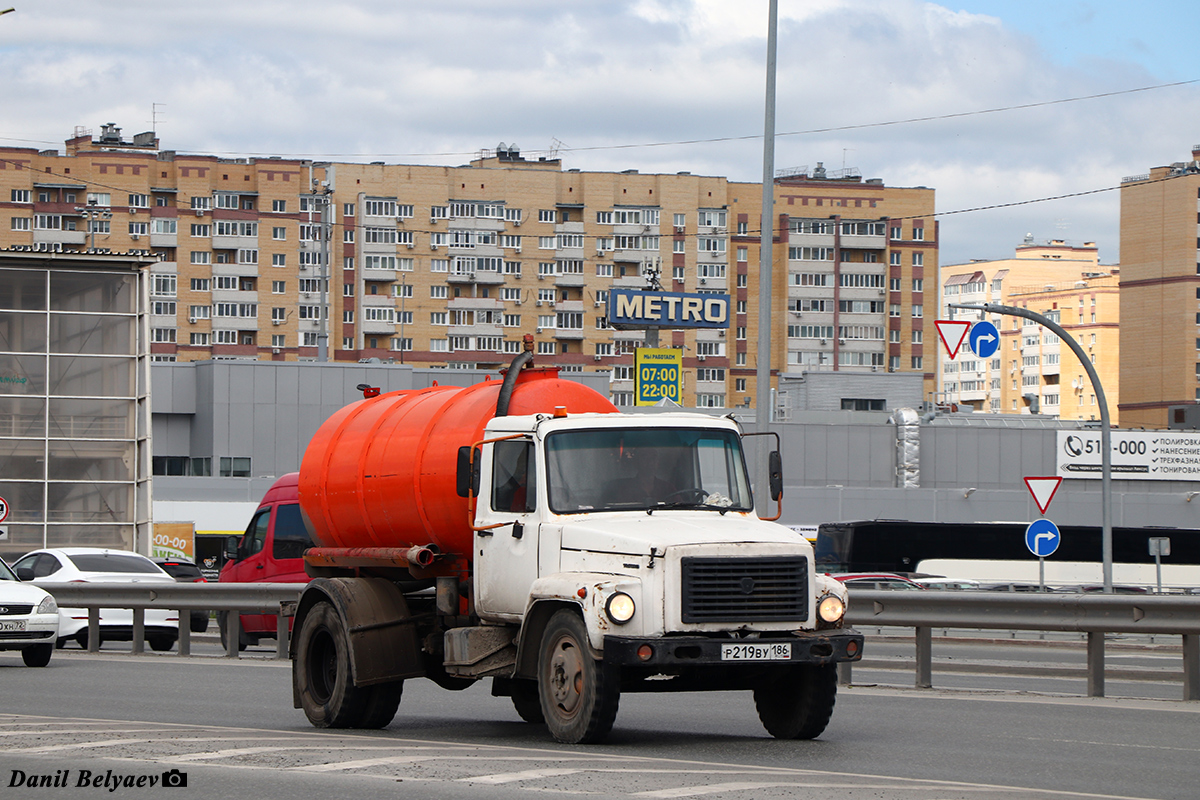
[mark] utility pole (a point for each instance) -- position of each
(322, 199)
(763, 402)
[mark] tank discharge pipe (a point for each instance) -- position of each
(421, 556)
(510, 377)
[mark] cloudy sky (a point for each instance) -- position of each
(656, 85)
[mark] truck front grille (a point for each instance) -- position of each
(745, 589)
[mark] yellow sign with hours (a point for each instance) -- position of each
(658, 375)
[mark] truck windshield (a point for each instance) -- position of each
(646, 468)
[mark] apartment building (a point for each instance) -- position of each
(447, 267)
(1160, 291)
(1033, 371)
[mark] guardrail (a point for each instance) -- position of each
(262, 598)
(1093, 614)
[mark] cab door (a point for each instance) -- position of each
(251, 564)
(506, 562)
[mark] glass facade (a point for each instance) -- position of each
(74, 411)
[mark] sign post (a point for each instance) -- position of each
(1159, 546)
(1042, 538)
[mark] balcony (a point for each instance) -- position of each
(570, 279)
(52, 237)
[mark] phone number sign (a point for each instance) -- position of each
(658, 375)
(1136, 455)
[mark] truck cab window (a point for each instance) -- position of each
(514, 484)
(619, 470)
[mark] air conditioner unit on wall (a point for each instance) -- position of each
(596, 357)
(701, 358)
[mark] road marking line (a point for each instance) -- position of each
(717, 788)
(77, 746)
(239, 751)
(527, 775)
(337, 766)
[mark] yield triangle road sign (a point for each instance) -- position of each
(952, 330)
(1043, 489)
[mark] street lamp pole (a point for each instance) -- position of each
(1105, 425)
(89, 213)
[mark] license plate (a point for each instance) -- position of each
(12, 625)
(779, 651)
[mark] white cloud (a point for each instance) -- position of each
(375, 79)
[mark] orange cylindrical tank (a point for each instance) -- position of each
(381, 473)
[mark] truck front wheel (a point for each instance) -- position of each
(322, 672)
(579, 700)
(798, 704)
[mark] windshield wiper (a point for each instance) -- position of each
(680, 504)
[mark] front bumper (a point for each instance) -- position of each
(820, 647)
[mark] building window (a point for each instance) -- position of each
(917, 362)
(918, 259)
(234, 467)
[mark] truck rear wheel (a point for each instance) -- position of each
(382, 701)
(321, 671)
(798, 704)
(578, 699)
(526, 701)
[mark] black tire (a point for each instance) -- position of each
(199, 621)
(382, 701)
(578, 698)
(526, 701)
(799, 704)
(244, 640)
(321, 672)
(38, 655)
(161, 642)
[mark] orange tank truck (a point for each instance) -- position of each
(378, 479)
(527, 532)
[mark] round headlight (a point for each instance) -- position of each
(47, 606)
(620, 608)
(831, 608)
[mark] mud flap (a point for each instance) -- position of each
(384, 645)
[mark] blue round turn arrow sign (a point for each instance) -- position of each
(984, 339)
(1042, 538)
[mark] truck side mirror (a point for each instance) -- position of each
(775, 468)
(467, 478)
(231, 548)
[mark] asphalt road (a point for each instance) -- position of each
(229, 727)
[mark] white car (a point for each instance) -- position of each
(100, 565)
(28, 619)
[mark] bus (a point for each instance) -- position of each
(996, 552)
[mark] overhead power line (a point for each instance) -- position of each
(713, 140)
